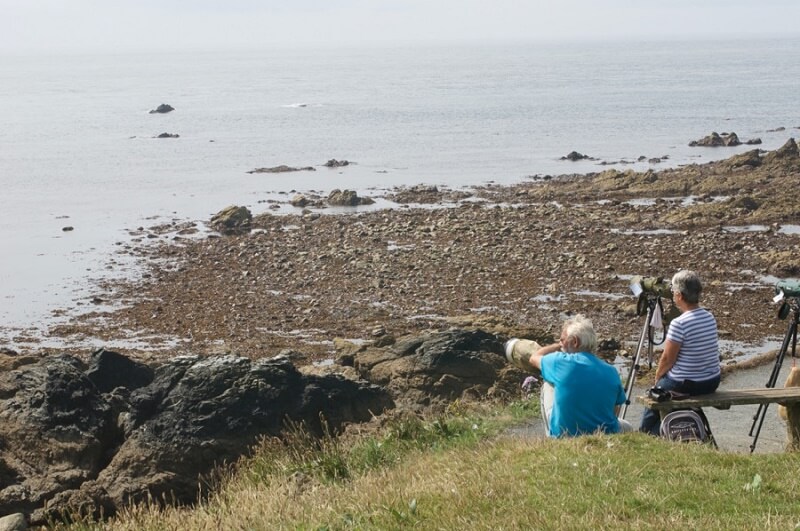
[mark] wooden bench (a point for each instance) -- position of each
(724, 399)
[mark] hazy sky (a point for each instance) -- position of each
(119, 25)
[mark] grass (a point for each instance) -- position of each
(463, 470)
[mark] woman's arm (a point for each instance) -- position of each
(668, 358)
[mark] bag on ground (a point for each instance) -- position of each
(686, 425)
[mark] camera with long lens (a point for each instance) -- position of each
(647, 288)
(654, 286)
(786, 289)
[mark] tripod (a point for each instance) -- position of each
(653, 303)
(791, 337)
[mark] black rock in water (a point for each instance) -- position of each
(162, 109)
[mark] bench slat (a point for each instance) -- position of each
(723, 399)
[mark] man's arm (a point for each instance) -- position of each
(536, 358)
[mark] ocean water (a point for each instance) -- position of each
(77, 146)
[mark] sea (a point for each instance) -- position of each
(78, 146)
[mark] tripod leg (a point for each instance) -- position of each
(634, 369)
(758, 418)
(791, 335)
(762, 412)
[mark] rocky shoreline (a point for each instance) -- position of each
(499, 258)
(353, 314)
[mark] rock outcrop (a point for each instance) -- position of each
(574, 156)
(95, 438)
(333, 163)
(56, 432)
(748, 159)
(722, 140)
(347, 198)
(788, 151)
(424, 370)
(232, 220)
(67, 444)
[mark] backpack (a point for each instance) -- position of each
(687, 425)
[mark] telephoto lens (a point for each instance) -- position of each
(518, 352)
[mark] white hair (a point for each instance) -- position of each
(581, 328)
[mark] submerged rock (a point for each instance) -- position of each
(574, 156)
(333, 163)
(281, 169)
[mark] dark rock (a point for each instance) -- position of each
(281, 169)
(168, 135)
(717, 140)
(162, 109)
(199, 413)
(575, 156)
(109, 370)
(384, 341)
(233, 219)
(68, 228)
(300, 201)
(753, 142)
(420, 370)
(609, 345)
(746, 203)
(64, 443)
(347, 198)
(56, 430)
(333, 163)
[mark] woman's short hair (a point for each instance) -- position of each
(581, 328)
(688, 284)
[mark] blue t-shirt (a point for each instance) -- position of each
(587, 389)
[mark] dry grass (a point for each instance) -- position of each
(490, 481)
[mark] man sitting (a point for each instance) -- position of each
(581, 393)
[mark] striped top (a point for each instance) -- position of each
(698, 357)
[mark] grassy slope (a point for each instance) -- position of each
(463, 471)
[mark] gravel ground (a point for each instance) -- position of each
(513, 260)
